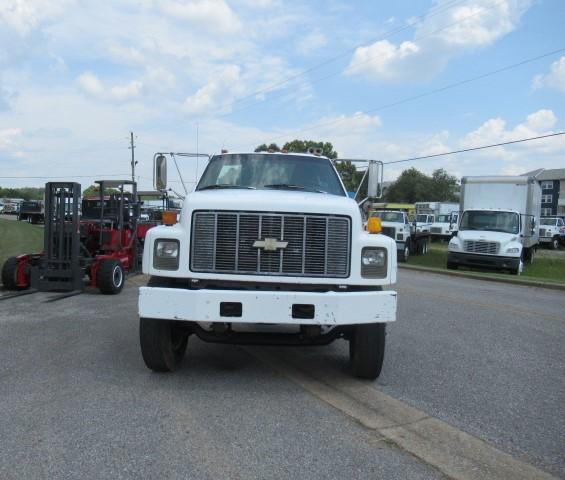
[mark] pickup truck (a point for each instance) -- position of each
(269, 249)
(552, 232)
(409, 239)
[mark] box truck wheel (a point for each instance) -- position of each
(163, 345)
(517, 270)
(367, 350)
(555, 243)
(529, 254)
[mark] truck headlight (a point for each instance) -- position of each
(166, 254)
(453, 246)
(513, 250)
(373, 262)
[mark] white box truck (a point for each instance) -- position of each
(499, 223)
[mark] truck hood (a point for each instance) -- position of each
(271, 201)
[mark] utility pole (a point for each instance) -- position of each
(133, 162)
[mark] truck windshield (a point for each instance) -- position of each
(507, 222)
(271, 171)
(421, 218)
(548, 221)
(443, 218)
(389, 216)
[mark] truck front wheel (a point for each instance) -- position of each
(367, 350)
(163, 345)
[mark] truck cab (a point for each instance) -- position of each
(398, 225)
(552, 232)
(424, 222)
(268, 249)
(444, 225)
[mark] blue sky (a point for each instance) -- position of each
(76, 77)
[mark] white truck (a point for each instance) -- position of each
(445, 218)
(552, 232)
(268, 249)
(409, 239)
(499, 223)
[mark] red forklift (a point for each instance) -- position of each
(97, 246)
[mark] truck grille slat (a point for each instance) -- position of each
(317, 245)
(481, 246)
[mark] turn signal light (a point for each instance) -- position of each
(169, 218)
(374, 225)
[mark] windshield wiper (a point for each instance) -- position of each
(288, 186)
(225, 185)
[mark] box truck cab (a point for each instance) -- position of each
(499, 223)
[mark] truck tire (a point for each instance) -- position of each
(111, 277)
(162, 346)
(517, 270)
(555, 243)
(403, 255)
(529, 255)
(367, 349)
(9, 273)
(424, 247)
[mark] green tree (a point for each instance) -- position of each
(411, 186)
(94, 190)
(415, 186)
(444, 186)
(27, 193)
(265, 148)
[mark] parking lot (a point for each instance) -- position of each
(469, 365)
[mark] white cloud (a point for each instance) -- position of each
(220, 89)
(311, 42)
(9, 137)
(22, 16)
(384, 60)
(92, 85)
(209, 14)
(554, 79)
(443, 34)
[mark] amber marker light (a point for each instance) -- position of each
(169, 218)
(374, 225)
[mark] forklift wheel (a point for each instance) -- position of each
(111, 277)
(9, 274)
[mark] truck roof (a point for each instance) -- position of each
(518, 179)
(311, 155)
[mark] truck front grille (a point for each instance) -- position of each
(389, 232)
(542, 232)
(435, 230)
(481, 246)
(316, 245)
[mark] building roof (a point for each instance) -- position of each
(547, 174)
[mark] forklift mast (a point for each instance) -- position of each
(59, 267)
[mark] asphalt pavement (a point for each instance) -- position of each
(484, 360)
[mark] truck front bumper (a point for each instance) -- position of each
(279, 307)
(486, 261)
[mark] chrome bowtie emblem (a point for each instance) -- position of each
(269, 244)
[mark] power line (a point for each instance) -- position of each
(425, 94)
(471, 149)
(68, 176)
(368, 60)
